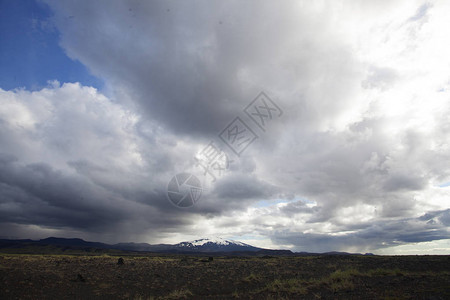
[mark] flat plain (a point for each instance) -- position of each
(153, 276)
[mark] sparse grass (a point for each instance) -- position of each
(292, 285)
(163, 259)
(252, 278)
(139, 297)
(178, 294)
(342, 280)
(336, 281)
(277, 297)
(385, 272)
(332, 266)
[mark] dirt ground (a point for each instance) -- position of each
(191, 277)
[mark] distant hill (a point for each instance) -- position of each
(73, 242)
(55, 246)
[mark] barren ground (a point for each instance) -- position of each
(193, 277)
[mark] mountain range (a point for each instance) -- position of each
(204, 245)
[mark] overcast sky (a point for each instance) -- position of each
(103, 102)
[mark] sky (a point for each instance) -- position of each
(328, 121)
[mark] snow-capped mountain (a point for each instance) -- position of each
(214, 245)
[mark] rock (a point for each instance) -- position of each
(80, 278)
(210, 259)
(120, 261)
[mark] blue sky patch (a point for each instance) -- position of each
(29, 51)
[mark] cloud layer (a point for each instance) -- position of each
(355, 162)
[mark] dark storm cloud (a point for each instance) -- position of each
(241, 186)
(180, 60)
(400, 182)
(41, 195)
(437, 217)
(51, 181)
(99, 169)
(293, 208)
(376, 235)
(36, 194)
(195, 67)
